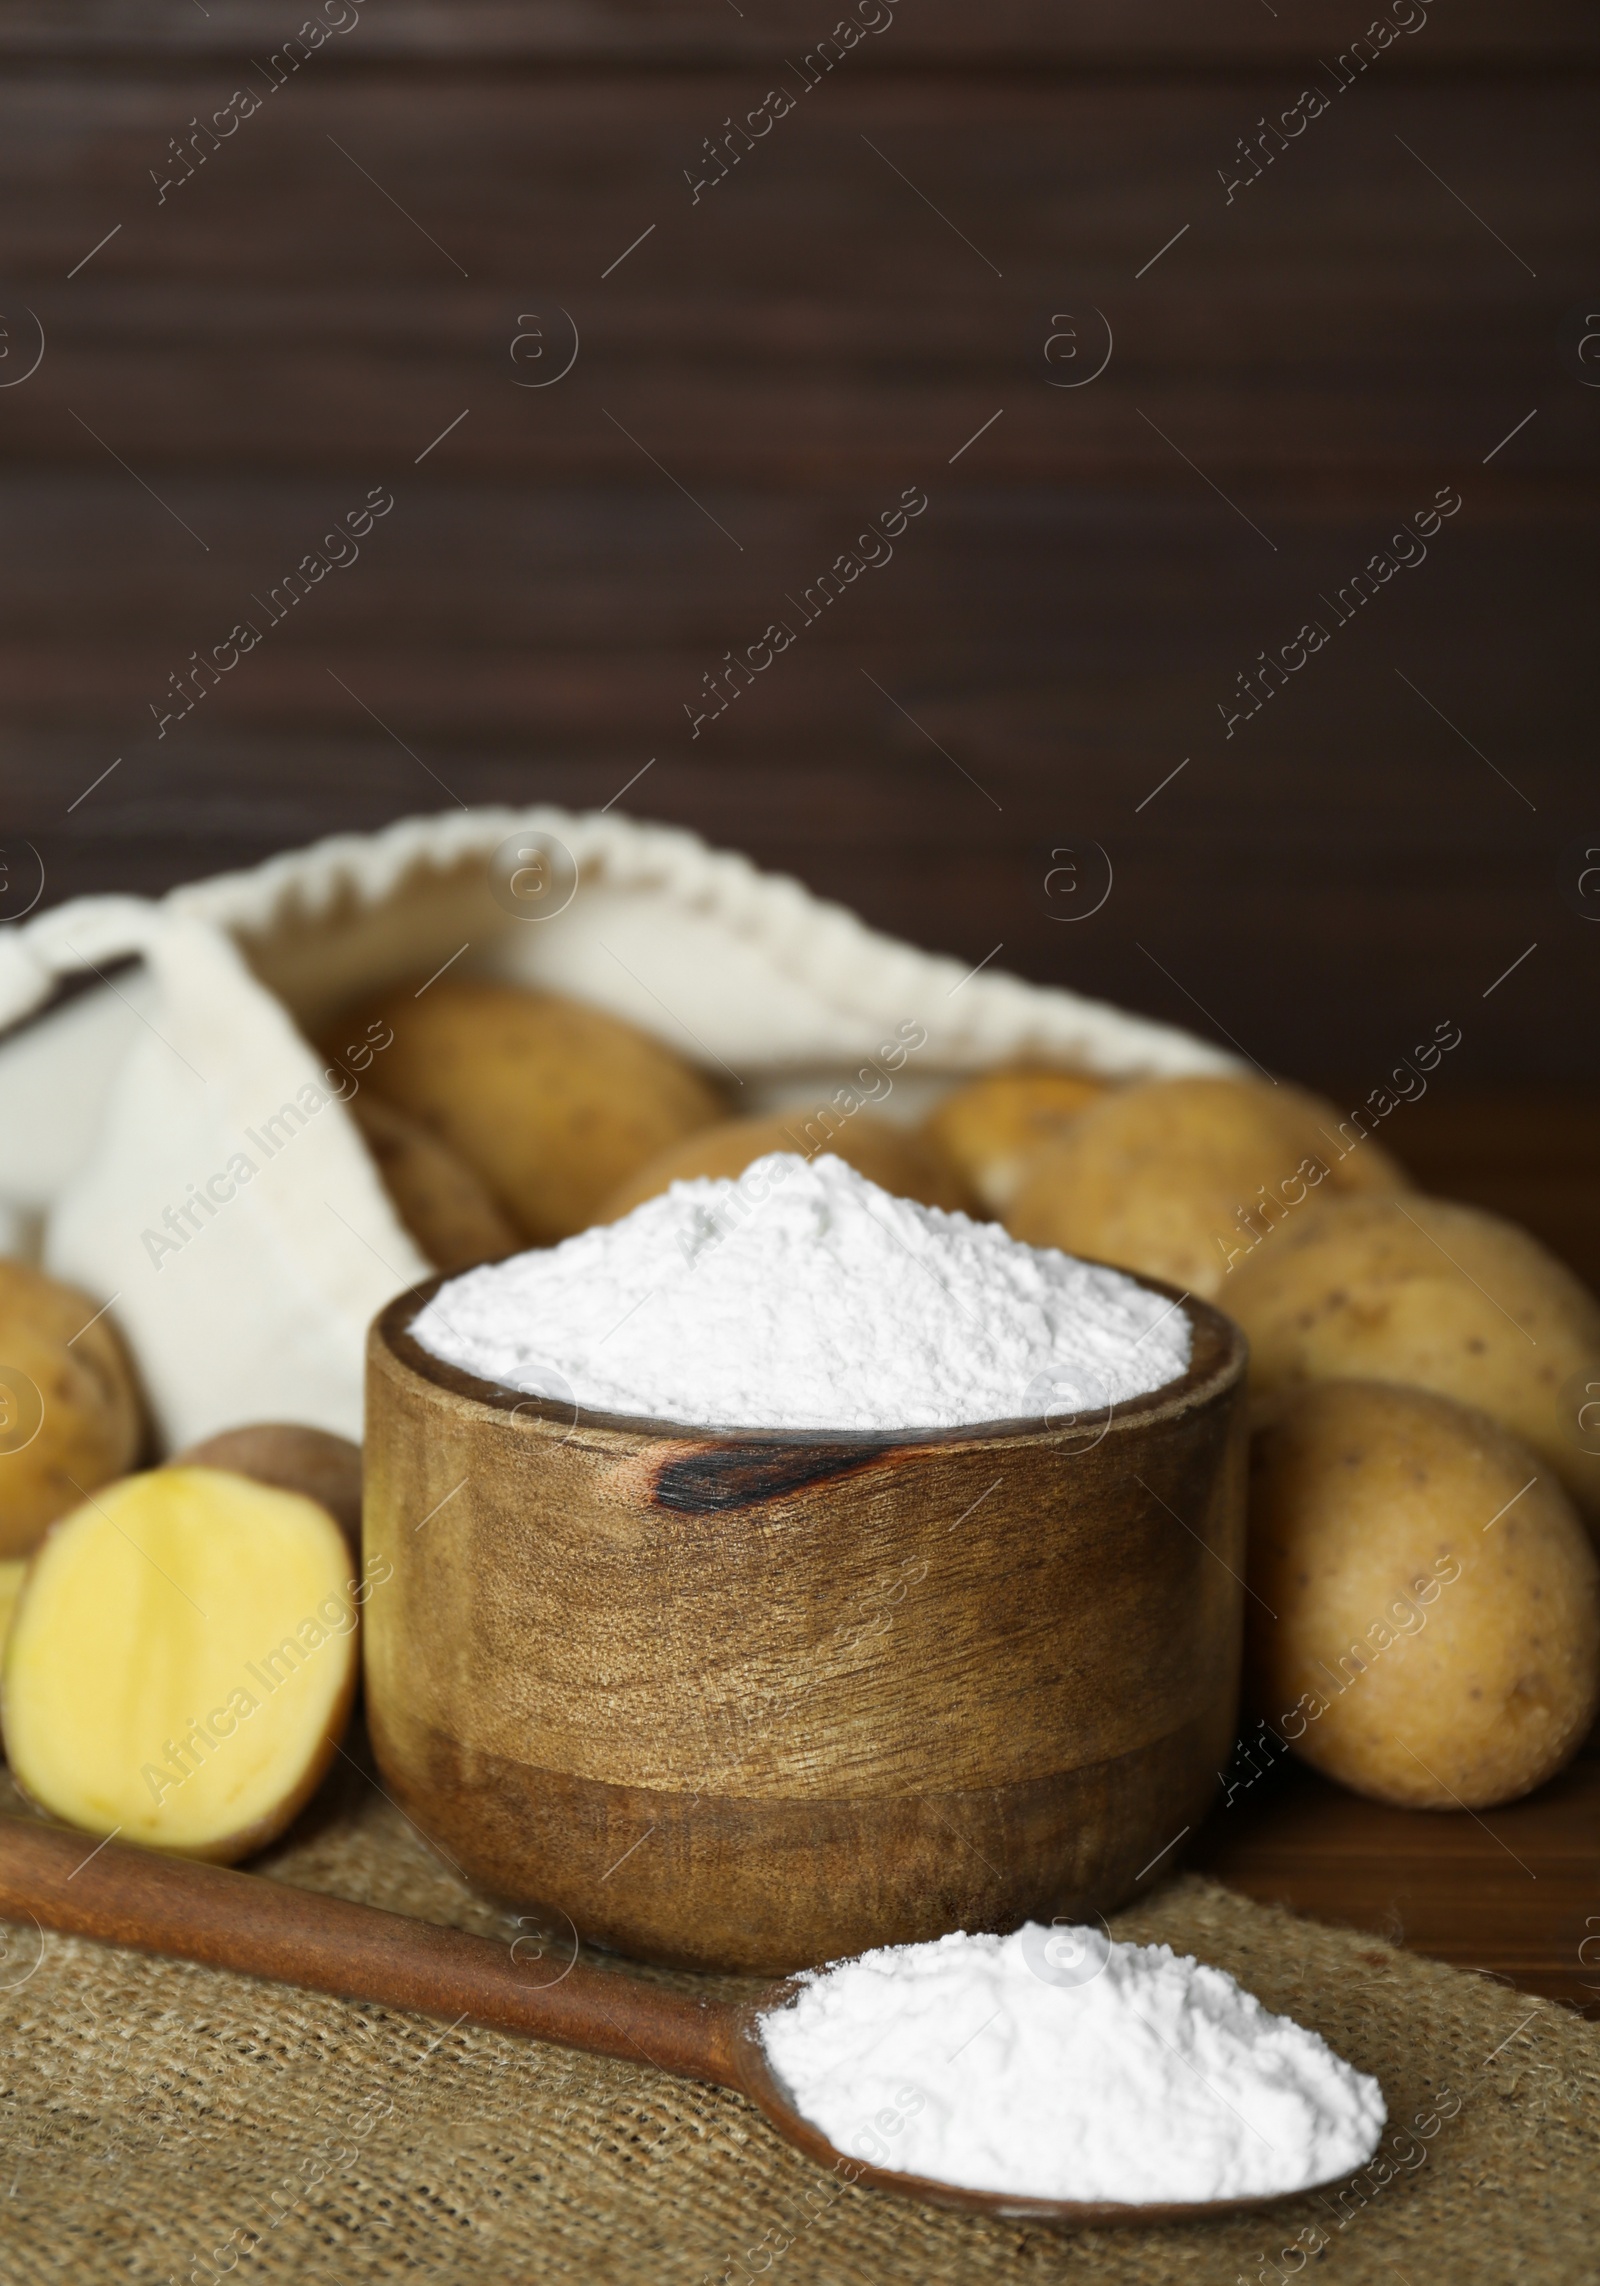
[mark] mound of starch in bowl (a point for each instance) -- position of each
(1057, 2064)
(801, 1296)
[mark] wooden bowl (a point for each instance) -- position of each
(757, 1700)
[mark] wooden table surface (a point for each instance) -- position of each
(1513, 1893)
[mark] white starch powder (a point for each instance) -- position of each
(1057, 2064)
(801, 1296)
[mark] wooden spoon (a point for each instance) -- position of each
(244, 1922)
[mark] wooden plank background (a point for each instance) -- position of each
(948, 227)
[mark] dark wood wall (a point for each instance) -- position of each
(953, 224)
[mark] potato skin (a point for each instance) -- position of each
(991, 1127)
(1441, 1296)
(1434, 1628)
(553, 1103)
(1171, 1177)
(294, 1458)
(91, 1428)
(447, 1207)
(892, 1157)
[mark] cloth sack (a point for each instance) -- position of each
(171, 1141)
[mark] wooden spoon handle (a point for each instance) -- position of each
(242, 1921)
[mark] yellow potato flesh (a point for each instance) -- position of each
(181, 1661)
(12, 1572)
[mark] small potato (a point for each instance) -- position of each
(1425, 1607)
(69, 1413)
(181, 1662)
(448, 1209)
(1446, 1297)
(1179, 1178)
(990, 1128)
(554, 1104)
(315, 1462)
(892, 1157)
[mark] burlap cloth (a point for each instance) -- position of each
(165, 2122)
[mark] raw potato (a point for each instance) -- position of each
(553, 1103)
(448, 1209)
(69, 1414)
(314, 1462)
(1181, 1178)
(184, 1593)
(12, 1573)
(892, 1157)
(1422, 1291)
(990, 1128)
(1437, 1633)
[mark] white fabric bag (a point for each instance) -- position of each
(171, 1142)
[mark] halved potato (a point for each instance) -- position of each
(12, 1573)
(992, 1126)
(315, 1462)
(181, 1662)
(892, 1157)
